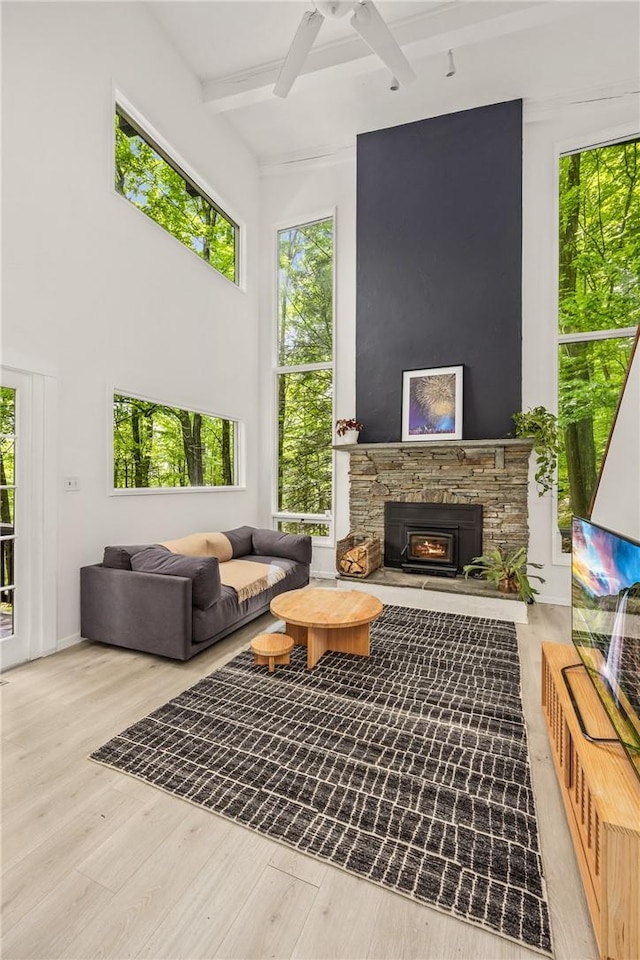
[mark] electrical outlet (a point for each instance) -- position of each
(70, 484)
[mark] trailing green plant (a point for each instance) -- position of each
(542, 426)
(507, 570)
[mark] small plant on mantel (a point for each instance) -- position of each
(542, 426)
(344, 426)
(507, 570)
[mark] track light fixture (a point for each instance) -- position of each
(451, 67)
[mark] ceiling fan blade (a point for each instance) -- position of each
(374, 31)
(298, 51)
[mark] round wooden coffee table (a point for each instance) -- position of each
(322, 620)
(271, 648)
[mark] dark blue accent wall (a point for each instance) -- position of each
(439, 273)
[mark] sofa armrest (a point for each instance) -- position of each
(140, 611)
(289, 546)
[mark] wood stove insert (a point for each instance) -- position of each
(432, 538)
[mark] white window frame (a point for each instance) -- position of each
(239, 448)
(120, 100)
(605, 138)
(278, 516)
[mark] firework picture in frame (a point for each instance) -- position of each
(432, 404)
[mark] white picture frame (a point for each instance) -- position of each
(432, 404)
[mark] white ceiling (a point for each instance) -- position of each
(544, 52)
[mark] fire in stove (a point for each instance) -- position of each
(430, 551)
(428, 548)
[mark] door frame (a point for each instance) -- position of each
(37, 618)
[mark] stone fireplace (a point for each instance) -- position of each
(488, 478)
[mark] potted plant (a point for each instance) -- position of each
(508, 571)
(347, 430)
(542, 426)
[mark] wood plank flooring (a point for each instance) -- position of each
(97, 864)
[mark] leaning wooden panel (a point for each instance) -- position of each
(601, 795)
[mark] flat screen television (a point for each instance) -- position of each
(605, 600)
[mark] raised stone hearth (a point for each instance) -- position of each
(473, 587)
(492, 473)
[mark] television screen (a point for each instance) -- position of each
(605, 598)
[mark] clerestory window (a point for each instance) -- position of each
(599, 310)
(153, 182)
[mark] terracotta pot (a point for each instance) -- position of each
(508, 585)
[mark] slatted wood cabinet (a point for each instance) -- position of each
(601, 795)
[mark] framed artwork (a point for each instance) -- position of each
(432, 404)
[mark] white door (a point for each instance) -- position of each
(15, 424)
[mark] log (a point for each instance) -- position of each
(354, 561)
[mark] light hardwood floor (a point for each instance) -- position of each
(97, 864)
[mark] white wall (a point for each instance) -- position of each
(97, 295)
(309, 192)
(301, 189)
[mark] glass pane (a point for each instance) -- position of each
(305, 294)
(145, 178)
(599, 281)
(7, 552)
(310, 527)
(591, 376)
(159, 446)
(7, 511)
(6, 614)
(305, 435)
(7, 410)
(7, 461)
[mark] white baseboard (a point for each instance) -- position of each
(560, 601)
(69, 641)
(322, 575)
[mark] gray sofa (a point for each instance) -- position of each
(146, 597)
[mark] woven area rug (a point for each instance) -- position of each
(408, 768)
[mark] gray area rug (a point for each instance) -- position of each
(408, 768)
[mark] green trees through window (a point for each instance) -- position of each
(160, 446)
(305, 377)
(599, 309)
(154, 183)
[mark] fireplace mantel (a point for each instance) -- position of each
(526, 442)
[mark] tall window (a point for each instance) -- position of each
(599, 309)
(160, 446)
(304, 378)
(147, 176)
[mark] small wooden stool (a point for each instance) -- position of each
(271, 648)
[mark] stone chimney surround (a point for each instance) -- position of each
(493, 473)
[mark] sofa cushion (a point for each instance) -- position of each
(227, 614)
(204, 572)
(240, 539)
(201, 545)
(291, 546)
(119, 557)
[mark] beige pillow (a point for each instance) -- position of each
(201, 545)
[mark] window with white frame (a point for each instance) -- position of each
(159, 446)
(599, 310)
(304, 379)
(155, 183)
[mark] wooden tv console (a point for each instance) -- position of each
(601, 795)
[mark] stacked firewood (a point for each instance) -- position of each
(354, 561)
